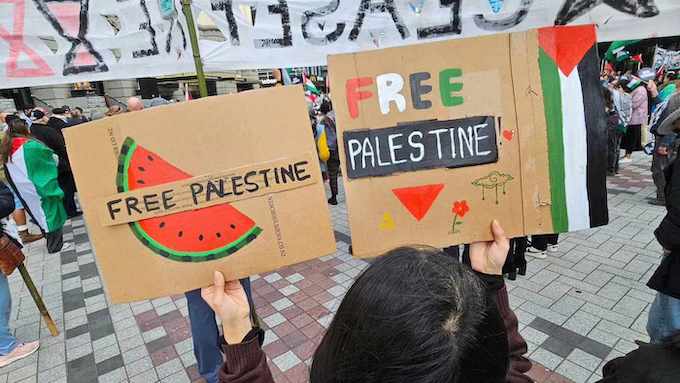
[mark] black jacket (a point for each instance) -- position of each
(54, 140)
(6, 201)
(666, 278)
(650, 363)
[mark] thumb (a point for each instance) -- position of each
(218, 281)
(498, 233)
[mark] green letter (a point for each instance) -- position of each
(446, 87)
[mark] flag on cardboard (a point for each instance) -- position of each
(33, 173)
(573, 108)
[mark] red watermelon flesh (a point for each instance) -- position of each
(194, 235)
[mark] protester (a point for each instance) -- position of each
(55, 141)
(134, 104)
(615, 130)
(664, 314)
(542, 243)
(516, 262)
(327, 125)
(415, 315)
(632, 140)
(31, 170)
(77, 117)
(58, 120)
(11, 349)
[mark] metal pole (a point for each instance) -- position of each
(202, 86)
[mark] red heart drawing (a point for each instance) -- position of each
(507, 134)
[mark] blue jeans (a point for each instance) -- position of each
(664, 318)
(206, 336)
(7, 340)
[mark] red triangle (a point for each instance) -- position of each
(567, 45)
(418, 199)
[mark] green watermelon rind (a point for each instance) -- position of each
(126, 152)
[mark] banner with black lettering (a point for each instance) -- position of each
(45, 42)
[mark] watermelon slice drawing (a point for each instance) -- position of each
(190, 236)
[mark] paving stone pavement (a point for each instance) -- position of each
(580, 307)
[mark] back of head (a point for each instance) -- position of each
(325, 106)
(413, 316)
(134, 104)
(16, 127)
(58, 111)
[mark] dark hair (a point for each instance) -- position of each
(416, 315)
(58, 111)
(78, 109)
(10, 117)
(326, 106)
(15, 128)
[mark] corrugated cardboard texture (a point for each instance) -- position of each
(201, 137)
(498, 75)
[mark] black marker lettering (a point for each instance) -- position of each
(264, 175)
(287, 40)
(453, 28)
(112, 210)
(227, 7)
(146, 26)
(505, 23)
(300, 172)
(196, 188)
(382, 7)
(151, 202)
(131, 203)
(251, 187)
(307, 17)
(167, 196)
(236, 185)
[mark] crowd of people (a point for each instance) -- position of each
(448, 308)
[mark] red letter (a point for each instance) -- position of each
(353, 97)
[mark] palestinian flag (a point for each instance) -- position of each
(309, 85)
(32, 173)
(576, 126)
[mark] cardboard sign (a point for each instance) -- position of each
(439, 139)
(172, 193)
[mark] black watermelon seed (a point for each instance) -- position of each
(233, 226)
(162, 225)
(149, 158)
(218, 235)
(140, 182)
(200, 237)
(181, 233)
(141, 169)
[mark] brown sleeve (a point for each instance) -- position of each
(245, 363)
(519, 363)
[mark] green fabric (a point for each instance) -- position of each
(552, 101)
(42, 171)
(621, 44)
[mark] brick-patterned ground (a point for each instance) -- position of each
(579, 308)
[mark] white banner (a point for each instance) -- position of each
(669, 59)
(46, 42)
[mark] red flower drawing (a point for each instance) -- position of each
(460, 208)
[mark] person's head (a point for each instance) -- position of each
(59, 111)
(38, 117)
(16, 127)
(415, 315)
(113, 110)
(134, 104)
(76, 112)
(325, 106)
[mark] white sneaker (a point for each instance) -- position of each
(553, 248)
(534, 252)
(68, 246)
(21, 351)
